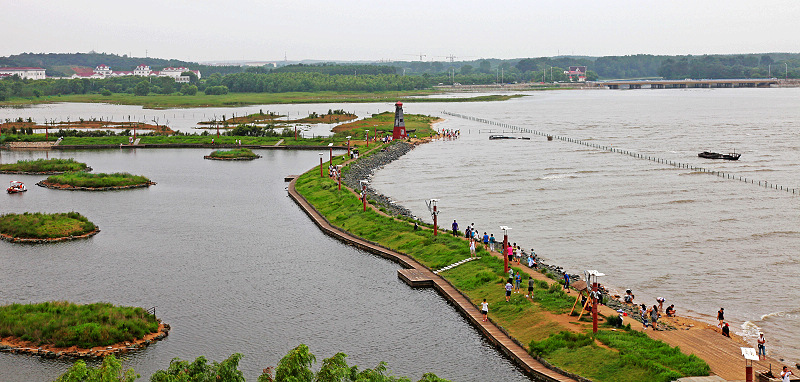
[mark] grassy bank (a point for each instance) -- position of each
(66, 324)
(629, 357)
(45, 226)
(85, 179)
(44, 166)
(231, 154)
(162, 101)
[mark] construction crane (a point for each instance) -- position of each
(421, 56)
(452, 58)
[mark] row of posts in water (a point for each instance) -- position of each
(721, 174)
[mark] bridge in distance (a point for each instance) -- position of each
(688, 83)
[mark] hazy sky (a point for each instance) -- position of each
(210, 30)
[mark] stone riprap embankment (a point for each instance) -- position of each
(363, 168)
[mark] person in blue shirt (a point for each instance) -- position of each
(566, 281)
(455, 228)
(491, 242)
(485, 241)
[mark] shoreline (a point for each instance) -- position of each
(5, 172)
(12, 239)
(56, 186)
(18, 346)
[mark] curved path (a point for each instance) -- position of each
(417, 274)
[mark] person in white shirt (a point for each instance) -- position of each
(785, 374)
(485, 309)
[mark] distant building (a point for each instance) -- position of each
(25, 73)
(104, 71)
(576, 73)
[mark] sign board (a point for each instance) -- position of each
(750, 354)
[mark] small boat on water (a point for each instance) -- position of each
(713, 155)
(496, 137)
(16, 187)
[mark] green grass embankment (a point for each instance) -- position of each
(629, 356)
(164, 101)
(65, 324)
(45, 226)
(44, 166)
(99, 180)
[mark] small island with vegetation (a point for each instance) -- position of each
(95, 182)
(44, 228)
(43, 167)
(61, 329)
(235, 154)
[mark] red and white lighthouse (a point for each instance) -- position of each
(399, 131)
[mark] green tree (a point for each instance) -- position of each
(109, 371)
(192, 77)
(466, 69)
(142, 88)
(485, 66)
(188, 89)
(296, 366)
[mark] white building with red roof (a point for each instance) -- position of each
(25, 73)
(104, 71)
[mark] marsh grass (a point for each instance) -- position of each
(235, 153)
(44, 226)
(66, 324)
(85, 179)
(45, 165)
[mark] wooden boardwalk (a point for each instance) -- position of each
(417, 273)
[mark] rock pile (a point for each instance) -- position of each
(363, 168)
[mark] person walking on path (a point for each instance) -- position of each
(455, 228)
(530, 287)
(485, 241)
(485, 310)
(510, 253)
(472, 248)
(566, 281)
(762, 350)
(517, 282)
(786, 374)
(508, 290)
(492, 240)
(721, 316)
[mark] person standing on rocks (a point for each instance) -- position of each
(455, 228)
(566, 281)
(762, 350)
(660, 301)
(654, 317)
(786, 374)
(721, 316)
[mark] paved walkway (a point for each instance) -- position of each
(517, 353)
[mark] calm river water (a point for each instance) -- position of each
(234, 266)
(701, 241)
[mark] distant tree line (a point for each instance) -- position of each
(330, 68)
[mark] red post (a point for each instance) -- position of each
(504, 253)
(748, 373)
(435, 226)
(367, 138)
(364, 196)
(320, 167)
(134, 130)
(331, 155)
(295, 133)
(348, 147)
(594, 306)
(339, 175)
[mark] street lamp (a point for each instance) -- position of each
(339, 176)
(364, 193)
(505, 246)
(434, 214)
(330, 148)
(367, 138)
(591, 279)
(320, 166)
(348, 146)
